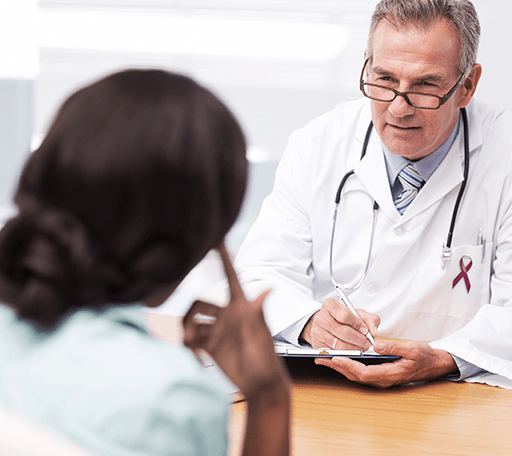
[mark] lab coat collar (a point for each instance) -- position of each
(371, 170)
(475, 125)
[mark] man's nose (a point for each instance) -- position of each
(400, 108)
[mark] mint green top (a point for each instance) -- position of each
(102, 380)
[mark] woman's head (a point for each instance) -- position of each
(139, 176)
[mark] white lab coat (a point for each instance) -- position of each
(287, 248)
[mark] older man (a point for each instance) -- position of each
(422, 243)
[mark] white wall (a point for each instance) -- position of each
(19, 67)
(495, 52)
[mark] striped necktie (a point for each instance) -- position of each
(411, 183)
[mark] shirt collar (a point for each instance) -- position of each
(126, 314)
(425, 166)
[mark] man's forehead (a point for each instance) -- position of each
(415, 29)
(426, 75)
(432, 51)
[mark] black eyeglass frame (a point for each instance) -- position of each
(442, 100)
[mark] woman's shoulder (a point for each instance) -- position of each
(116, 341)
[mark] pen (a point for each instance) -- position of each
(346, 302)
(480, 241)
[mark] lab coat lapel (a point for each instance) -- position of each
(372, 172)
(449, 173)
(447, 176)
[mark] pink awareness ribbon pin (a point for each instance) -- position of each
(463, 273)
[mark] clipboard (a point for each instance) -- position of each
(286, 350)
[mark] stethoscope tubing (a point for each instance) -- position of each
(464, 179)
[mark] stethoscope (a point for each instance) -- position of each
(447, 245)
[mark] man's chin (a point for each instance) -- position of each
(406, 149)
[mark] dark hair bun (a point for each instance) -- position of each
(45, 257)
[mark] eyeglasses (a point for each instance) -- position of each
(419, 100)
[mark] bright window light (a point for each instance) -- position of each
(170, 33)
(257, 154)
(18, 52)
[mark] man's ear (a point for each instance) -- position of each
(365, 57)
(469, 85)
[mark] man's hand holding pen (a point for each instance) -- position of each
(336, 327)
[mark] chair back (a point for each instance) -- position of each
(21, 437)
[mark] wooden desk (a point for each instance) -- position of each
(332, 416)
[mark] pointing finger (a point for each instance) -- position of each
(234, 286)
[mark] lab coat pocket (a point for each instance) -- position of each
(456, 291)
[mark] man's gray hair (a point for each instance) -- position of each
(424, 13)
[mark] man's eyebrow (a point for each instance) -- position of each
(432, 77)
(381, 71)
